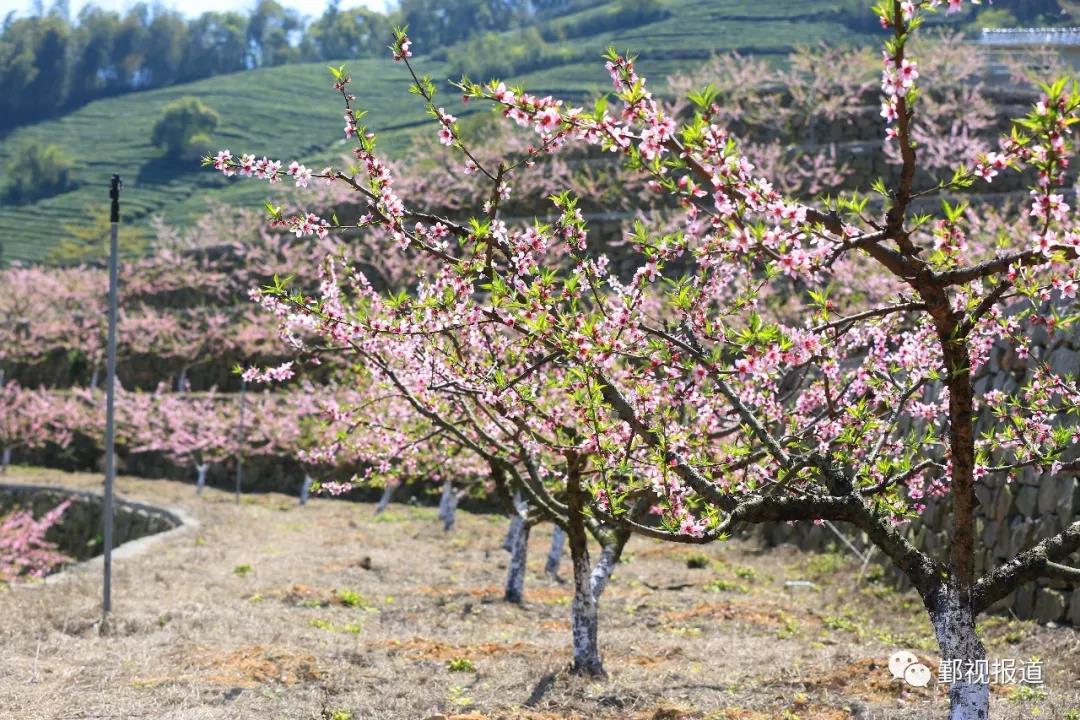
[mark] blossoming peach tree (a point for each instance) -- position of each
(31, 418)
(428, 405)
(24, 550)
(770, 360)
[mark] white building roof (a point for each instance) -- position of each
(1060, 36)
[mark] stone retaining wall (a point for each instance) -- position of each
(1010, 516)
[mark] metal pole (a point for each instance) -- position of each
(240, 445)
(110, 394)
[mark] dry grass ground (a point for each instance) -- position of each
(269, 610)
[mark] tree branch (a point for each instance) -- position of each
(736, 402)
(1024, 567)
(998, 265)
(1062, 572)
(701, 485)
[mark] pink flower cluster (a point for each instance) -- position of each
(24, 551)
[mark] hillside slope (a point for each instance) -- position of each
(287, 110)
(291, 112)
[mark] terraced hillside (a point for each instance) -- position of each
(290, 110)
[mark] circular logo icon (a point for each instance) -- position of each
(900, 661)
(917, 675)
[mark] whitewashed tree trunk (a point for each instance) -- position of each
(305, 489)
(558, 540)
(388, 492)
(448, 505)
(181, 380)
(521, 509)
(442, 498)
(511, 533)
(519, 553)
(954, 626)
(200, 481)
(584, 624)
(598, 580)
(94, 378)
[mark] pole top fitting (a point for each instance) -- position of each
(114, 194)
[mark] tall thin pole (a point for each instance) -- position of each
(110, 394)
(240, 444)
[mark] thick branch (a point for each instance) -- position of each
(924, 572)
(999, 265)
(1024, 567)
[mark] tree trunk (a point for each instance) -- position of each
(517, 520)
(584, 621)
(598, 580)
(519, 551)
(954, 625)
(558, 540)
(181, 380)
(962, 458)
(200, 481)
(5, 460)
(388, 492)
(94, 378)
(511, 533)
(305, 489)
(448, 505)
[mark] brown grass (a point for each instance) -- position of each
(549, 595)
(729, 611)
(421, 649)
(868, 680)
(189, 639)
(255, 665)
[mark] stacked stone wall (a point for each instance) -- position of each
(1012, 514)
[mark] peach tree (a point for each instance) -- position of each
(766, 360)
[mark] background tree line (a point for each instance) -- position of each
(52, 60)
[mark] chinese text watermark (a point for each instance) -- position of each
(904, 665)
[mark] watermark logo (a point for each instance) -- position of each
(1006, 671)
(905, 666)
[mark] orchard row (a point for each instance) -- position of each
(757, 358)
(742, 355)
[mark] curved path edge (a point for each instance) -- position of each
(183, 523)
